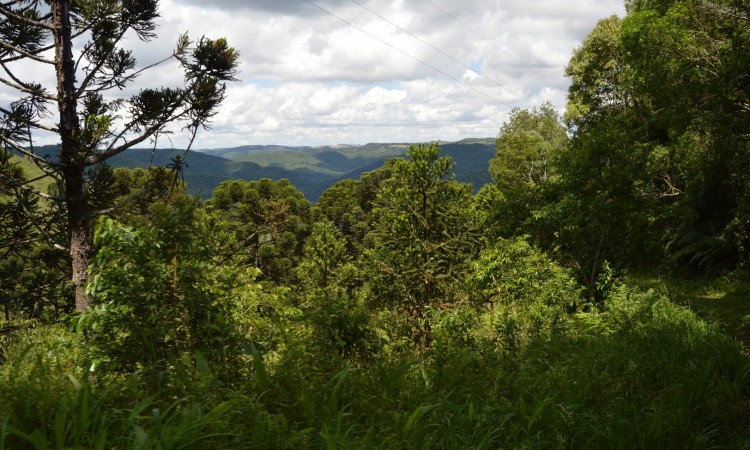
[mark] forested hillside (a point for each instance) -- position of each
(592, 294)
(312, 170)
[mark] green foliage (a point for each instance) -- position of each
(158, 294)
(596, 73)
(512, 271)
(141, 192)
(48, 401)
(656, 108)
(270, 220)
(342, 325)
(423, 234)
(349, 203)
(32, 272)
(525, 148)
(641, 363)
(525, 293)
(523, 169)
(92, 128)
(401, 312)
(327, 266)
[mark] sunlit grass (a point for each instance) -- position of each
(724, 300)
(32, 172)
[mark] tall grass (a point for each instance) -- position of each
(48, 401)
(642, 373)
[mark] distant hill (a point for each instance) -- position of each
(349, 161)
(311, 169)
(203, 172)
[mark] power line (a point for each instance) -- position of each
(435, 48)
(409, 55)
(493, 44)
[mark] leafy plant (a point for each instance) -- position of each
(159, 294)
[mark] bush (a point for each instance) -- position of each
(524, 292)
(159, 297)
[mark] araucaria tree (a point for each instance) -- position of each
(80, 43)
(423, 234)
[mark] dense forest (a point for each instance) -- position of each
(594, 294)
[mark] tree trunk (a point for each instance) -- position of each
(81, 249)
(71, 155)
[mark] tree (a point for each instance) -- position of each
(525, 147)
(92, 122)
(596, 73)
(138, 191)
(327, 271)
(325, 253)
(270, 219)
(348, 205)
(31, 274)
(658, 111)
(160, 292)
(608, 194)
(525, 152)
(690, 60)
(422, 234)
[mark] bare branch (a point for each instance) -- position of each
(7, 12)
(26, 90)
(24, 53)
(25, 152)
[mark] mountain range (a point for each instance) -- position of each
(311, 169)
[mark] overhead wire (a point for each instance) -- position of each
(437, 49)
(454, 18)
(409, 55)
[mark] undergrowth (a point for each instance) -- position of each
(642, 372)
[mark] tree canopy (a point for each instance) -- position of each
(94, 123)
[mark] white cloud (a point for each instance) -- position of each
(308, 78)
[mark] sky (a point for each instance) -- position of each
(319, 72)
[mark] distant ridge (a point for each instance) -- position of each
(311, 169)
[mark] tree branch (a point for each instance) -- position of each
(26, 90)
(24, 53)
(42, 230)
(97, 67)
(22, 185)
(150, 131)
(42, 49)
(25, 152)
(31, 291)
(5, 11)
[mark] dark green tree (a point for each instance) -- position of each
(92, 122)
(423, 234)
(326, 259)
(348, 204)
(271, 221)
(608, 195)
(32, 273)
(136, 192)
(658, 113)
(690, 60)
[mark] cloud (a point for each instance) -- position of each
(308, 77)
(286, 7)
